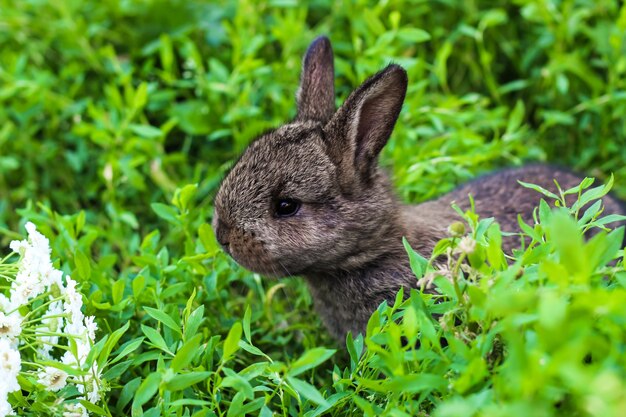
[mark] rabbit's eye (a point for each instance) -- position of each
(286, 207)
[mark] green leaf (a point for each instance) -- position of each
(83, 266)
(552, 310)
(252, 349)
(246, 323)
(80, 221)
(603, 247)
(413, 35)
(539, 189)
(231, 344)
(410, 323)
(415, 383)
(193, 117)
(307, 390)
(516, 118)
(166, 52)
(115, 371)
(117, 291)
(149, 386)
(495, 255)
(164, 318)
(252, 406)
(586, 183)
(156, 338)
(417, 261)
(93, 408)
(310, 359)
(207, 237)
(166, 212)
(194, 321)
(373, 324)
(532, 232)
(146, 131)
(138, 285)
(355, 348)
(266, 412)
(182, 381)
(493, 17)
(611, 218)
(183, 196)
(239, 383)
(186, 353)
(128, 392)
(141, 97)
(127, 348)
(236, 406)
(110, 344)
(427, 329)
(568, 242)
(482, 227)
(594, 194)
(370, 409)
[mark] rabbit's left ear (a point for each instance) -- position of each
(316, 95)
(361, 127)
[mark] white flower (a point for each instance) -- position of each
(35, 267)
(75, 410)
(37, 275)
(5, 407)
(10, 365)
(50, 324)
(5, 304)
(52, 378)
(93, 396)
(73, 303)
(82, 350)
(43, 352)
(91, 326)
(11, 325)
(51, 277)
(50, 320)
(68, 358)
(107, 172)
(93, 392)
(36, 253)
(25, 287)
(38, 241)
(18, 246)
(75, 329)
(467, 245)
(70, 287)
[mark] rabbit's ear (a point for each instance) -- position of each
(363, 124)
(316, 95)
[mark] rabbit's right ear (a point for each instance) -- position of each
(316, 95)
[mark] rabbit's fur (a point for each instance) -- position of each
(346, 237)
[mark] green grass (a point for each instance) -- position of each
(118, 120)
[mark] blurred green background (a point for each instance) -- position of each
(110, 109)
(109, 105)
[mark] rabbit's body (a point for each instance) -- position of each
(309, 198)
(346, 298)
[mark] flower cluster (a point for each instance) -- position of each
(41, 322)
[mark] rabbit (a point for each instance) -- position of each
(309, 199)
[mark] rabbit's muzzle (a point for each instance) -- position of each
(246, 249)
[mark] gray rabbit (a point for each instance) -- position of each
(309, 199)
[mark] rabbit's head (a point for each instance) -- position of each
(309, 196)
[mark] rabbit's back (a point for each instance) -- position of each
(499, 195)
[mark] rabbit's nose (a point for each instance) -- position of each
(222, 233)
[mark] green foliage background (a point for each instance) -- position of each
(119, 118)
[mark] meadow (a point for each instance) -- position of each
(118, 120)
